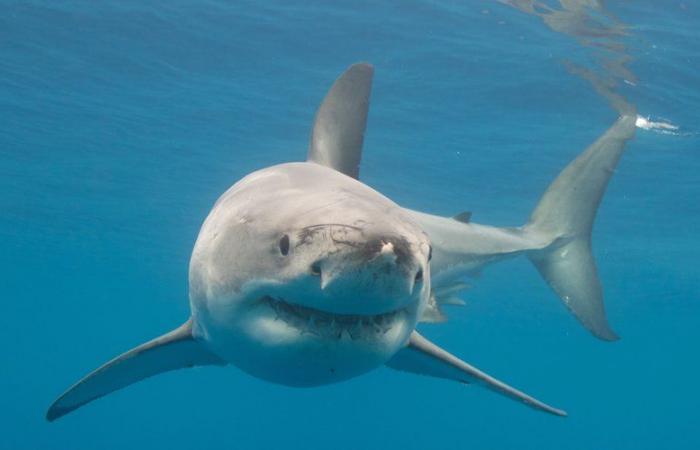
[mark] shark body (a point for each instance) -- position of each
(303, 275)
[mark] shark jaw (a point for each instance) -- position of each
(332, 326)
(279, 340)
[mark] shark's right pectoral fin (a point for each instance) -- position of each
(425, 358)
(174, 350)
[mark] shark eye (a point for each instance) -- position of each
(284, 245)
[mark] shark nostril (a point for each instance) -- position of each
(419, 276)
(316, 268)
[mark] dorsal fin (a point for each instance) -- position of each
(464, 217)
(339, 128)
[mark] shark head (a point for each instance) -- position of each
(304, 276)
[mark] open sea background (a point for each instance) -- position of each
(121, 122)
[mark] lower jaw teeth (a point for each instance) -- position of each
(332, 326)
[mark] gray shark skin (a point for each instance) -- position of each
(302, 275)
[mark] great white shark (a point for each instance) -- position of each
(303, 275)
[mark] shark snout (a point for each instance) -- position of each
(387, 253)
(376, 277)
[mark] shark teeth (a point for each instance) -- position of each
(332, 326)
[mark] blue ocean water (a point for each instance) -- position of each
(121, 122)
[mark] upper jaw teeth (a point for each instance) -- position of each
(334, 326)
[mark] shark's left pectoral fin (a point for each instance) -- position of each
(425, 358)
(339, 128)
(174, 350)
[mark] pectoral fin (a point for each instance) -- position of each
(425, 358)
(174, 350)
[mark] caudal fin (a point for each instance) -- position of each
(565, 216)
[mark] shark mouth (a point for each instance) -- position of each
(334, 326)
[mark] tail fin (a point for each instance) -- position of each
(565, 216)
